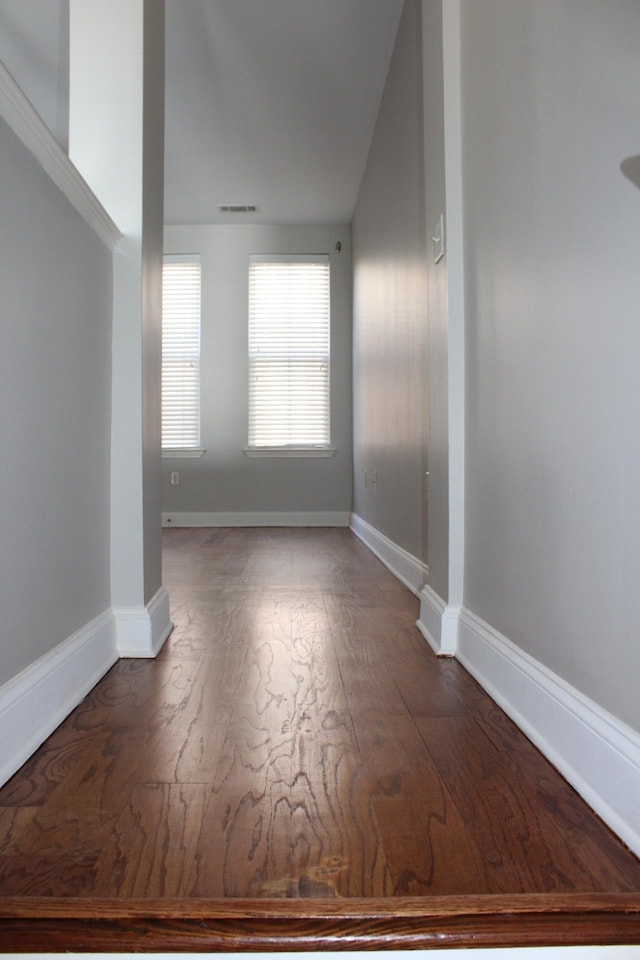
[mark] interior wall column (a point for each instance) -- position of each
(455, 292)
(116, 140)
(441, 598)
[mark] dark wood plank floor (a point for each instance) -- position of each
(296, 738)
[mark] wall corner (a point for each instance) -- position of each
(438, 623)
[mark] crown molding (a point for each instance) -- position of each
(17, 111)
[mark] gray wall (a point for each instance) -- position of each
(152, 241)
(38, 59)
(55, 394)
(225, 479)
(390, 307)
(552, 248)
(116, 143)
(437, 306)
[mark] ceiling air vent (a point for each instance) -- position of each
(238, 208)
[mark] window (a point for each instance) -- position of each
(289, 352)
(181, 353)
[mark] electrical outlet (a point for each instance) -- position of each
(175, 479)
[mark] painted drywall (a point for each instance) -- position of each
(225, 479)
(152, 245)
(437, 303)
(390, 307)
(116, 142)
(34, 47)
(552, 247)
(55, 402)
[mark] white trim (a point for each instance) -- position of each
(36, 701)
(438, 623)
(284, 518)
(454, 260)
(300, 452)
(181, 258)
(182, 453)
(409, 570)
(597, 753)
(142, 631)
(289, 258)
(28, 126)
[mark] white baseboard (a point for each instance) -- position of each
(438, 623)
(275, 518)
(411, 571)
(595, 752)
(142, 631)
(36, 701)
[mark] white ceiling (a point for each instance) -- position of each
(273, 103)
(268, 102)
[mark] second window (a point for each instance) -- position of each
(289, 352)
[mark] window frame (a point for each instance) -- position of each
(295, 448)
(190, 450)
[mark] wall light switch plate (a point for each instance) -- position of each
(437, 239)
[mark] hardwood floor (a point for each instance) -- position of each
(296, 739)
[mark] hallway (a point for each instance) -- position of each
(296, 738)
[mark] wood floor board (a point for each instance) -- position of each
(49, 766)
(323, 817)
(60, 875)
(207, 926)
(217, 681)
(434, 698)
(244, 838)
(615, 866)
(152, 845)
(391, 745)
(365, 595)
(187, 753)
(361, 688)
(368, 669)
(360, 862)
(13, 820)
(297, 740)
(428, 847)
(520, 841)
(336, 843)
(80, 812)
(135, 691)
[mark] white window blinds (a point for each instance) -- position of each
(181, 352)
(289, 351)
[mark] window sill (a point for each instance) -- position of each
(182, 453)
(290, 451)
